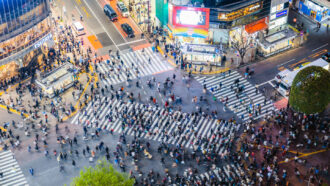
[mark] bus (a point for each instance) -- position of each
(285, 78)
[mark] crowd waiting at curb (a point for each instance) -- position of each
(296, 131)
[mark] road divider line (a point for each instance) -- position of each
(318, 53)
(299, 62)
(285, 62)
(106, 31)
(135, 41)
(84, 9)
(78, 10)
(320, 47)
(118, 22)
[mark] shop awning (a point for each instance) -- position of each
(188, 32)
(256, 26)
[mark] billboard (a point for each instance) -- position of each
(240, 13)
(191, 17)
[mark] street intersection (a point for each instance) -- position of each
(228, 104)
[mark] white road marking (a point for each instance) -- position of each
(320, 47)
(269, 82)
(114, 26)
(101, 24)
(285, 62)
(78, 10)
(131, 42)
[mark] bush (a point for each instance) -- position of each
(102, 174)
(310, 90)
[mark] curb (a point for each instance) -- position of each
(14, 111)
(212, 73)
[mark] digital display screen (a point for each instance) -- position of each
(187, 17)
(191, 17)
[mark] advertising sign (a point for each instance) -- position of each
(191, 17)
(240, 13)
(282, 13)
(39, 43)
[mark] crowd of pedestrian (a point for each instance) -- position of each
(294, 130)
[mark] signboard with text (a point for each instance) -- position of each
(282, 13)
(240, 13)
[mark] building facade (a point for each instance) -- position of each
(24, 26)
(279, 36)
(317, 10)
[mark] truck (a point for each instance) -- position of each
(285, 78)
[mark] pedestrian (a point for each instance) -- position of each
(31, 170)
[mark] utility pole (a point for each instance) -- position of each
(148, 2)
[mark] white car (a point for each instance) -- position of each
(123, 9)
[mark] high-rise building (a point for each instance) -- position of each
(25, 25)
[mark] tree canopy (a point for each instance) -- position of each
(102, 174)
(310, 90)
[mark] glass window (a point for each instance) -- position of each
(17, 16)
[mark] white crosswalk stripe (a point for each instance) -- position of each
(135, 64)
(220, 176)
(158, 124)
(12, 174)
(248, 100)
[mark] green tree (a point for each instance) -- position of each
(102, 174)
(310, 90)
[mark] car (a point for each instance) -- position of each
(110, 12)
(128, 30)
(326, 57)
(123, 9)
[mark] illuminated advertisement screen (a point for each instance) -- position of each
(191, 17)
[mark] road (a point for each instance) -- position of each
(97, 24)
(316, 45)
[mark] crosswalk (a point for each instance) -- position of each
(157, 124)
(12, 174)
(224, 175)
(247, 104)
(134, 65)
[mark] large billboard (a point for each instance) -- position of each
(191, 17)
(240, 13)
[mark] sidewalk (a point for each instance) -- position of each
(233, 61)
(25, 104)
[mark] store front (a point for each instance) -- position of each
(202, 54)
(316, 10)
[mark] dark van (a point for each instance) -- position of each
(110, 13)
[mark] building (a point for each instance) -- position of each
(57, 80)
(279, 36)
(316, 10)
(25, 25)
(212, 22)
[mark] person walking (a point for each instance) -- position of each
(31, 170)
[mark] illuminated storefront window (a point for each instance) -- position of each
(240, 13)
(24, 40)
(17, 16)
